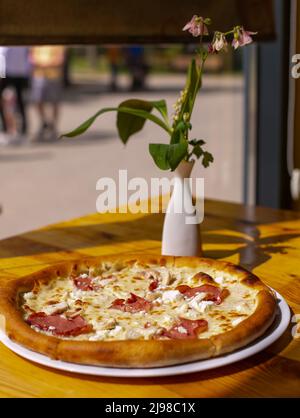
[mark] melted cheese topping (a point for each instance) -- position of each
(60, 296)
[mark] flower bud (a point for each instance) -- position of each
(186, 116)
(208, 21)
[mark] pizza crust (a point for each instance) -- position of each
(137, 353)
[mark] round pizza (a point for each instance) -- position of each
(137, 311)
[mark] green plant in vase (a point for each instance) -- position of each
(133, 113)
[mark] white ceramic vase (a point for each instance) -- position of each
(179, 237)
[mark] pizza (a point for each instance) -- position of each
(137, 311)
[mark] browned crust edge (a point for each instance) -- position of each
(151, 353)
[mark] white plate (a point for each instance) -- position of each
(280, 324)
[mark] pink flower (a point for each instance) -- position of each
(242, 37)
(219, 42)
(196, 26)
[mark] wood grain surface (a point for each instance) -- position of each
(263, 240)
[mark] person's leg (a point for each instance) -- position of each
(9, 110)
(41, 110)
(3, 120)
(38, 98)
(55, 114)
(19, 86)
(54, 95)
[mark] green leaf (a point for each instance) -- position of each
(193, 76)
(197, 150)
(159, 153)
(129, 124)
(161, 106)
(197, 142)
(192, 88)
(142, 116)
(145, 115)
(168, 156)
(176, 154)
(207, 159)
(85, 125)
(181, 126)
(176, 136)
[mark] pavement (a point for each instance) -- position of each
(42, 183)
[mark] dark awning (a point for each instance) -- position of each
(124, 21)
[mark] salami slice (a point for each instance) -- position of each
(58, 325)
(186, 329)
(133, 304)
(84, 283)
(213, 293)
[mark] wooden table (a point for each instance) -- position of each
(263, 240)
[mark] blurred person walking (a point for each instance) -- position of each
(17, 70)
(138, 68)
(46, 87)
(114, 59)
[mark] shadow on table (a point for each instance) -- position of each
(268, 358)
(252, 249)
(72, 238)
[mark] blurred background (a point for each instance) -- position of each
(45, 179)
(101, 55)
